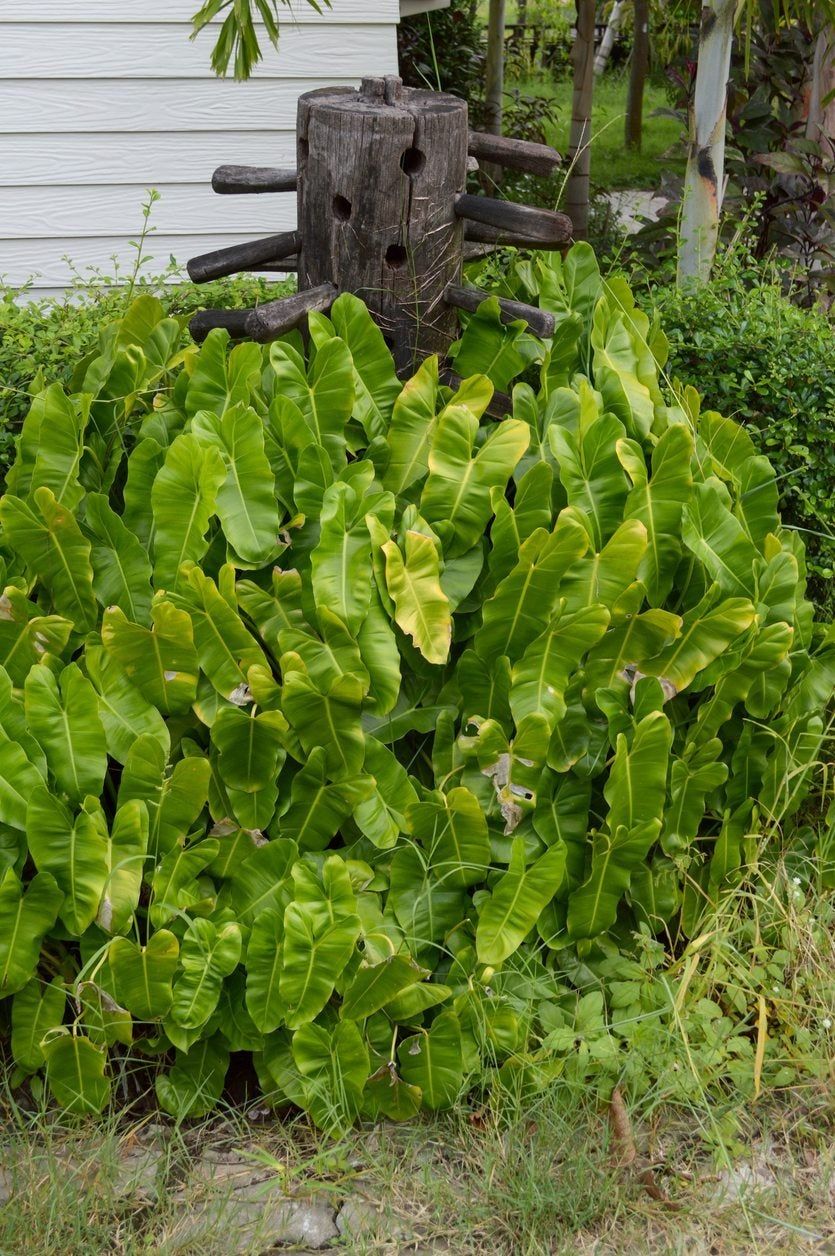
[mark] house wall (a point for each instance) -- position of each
(102, 99)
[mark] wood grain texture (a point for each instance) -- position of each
(377, 188)
(514, 154)
(65, 50)
(541, 322)
(538, 226)
(238, 257)
(276, 318)
(253, 180)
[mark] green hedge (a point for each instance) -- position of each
(756, 356)
(51, 336)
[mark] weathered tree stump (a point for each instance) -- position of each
(379, 173)
(383, 213)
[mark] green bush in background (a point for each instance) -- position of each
(50, 336)
(349, 727)
(757, 356)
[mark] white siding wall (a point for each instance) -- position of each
(102, 99)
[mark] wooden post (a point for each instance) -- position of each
(379, 173)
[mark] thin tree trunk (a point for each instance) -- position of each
(607, 43)
(634, 125)
(579, 148)
(820, 119)
(522, 12)
(704, 180)
(494, 86)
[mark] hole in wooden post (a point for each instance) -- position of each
(304, 150)
(412, 161)
(396, 257)
(341, 208)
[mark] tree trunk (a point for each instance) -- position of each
(579, 148)
(607, 43)
(637, 77)
(522, 12)
(704, 180)
(494, 86)
(820, 120)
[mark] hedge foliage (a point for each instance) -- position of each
(347, 725)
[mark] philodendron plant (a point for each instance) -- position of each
(347, 725)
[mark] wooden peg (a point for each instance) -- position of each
(288, 267)
(242, 180)
(243, 256)
(541, 228)
(513, 154)
(233, 320)
(541, 322)
(276, 318)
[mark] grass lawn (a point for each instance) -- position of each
(547, 1180)
(612, 165)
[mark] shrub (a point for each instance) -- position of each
(759, 357)
(50, 336)
(349, 727)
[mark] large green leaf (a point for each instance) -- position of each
(264, 955)
(520, 895)
(63, 714)
(25, 635)
(320, 932)
(456, 496)
(76, 1073)
(27, 913)
(590, 472)
(657, 501)
(341, 562)
(219, 381)
(121, 570)
(74, 850)
(522, 605)
(161, 661)
(195, 1082)
(50, 446)
(375, 379)
(225, 648)
(330, 720)
(453, 831)
(37, 1009)
(124, 712)
(719, 541)
(540, 678)
(183, 500)
(207, 955)
(127, 853)
(422, 609)
(433, 1060)
(142, 975)
(246, 501)
(324, 395)
(375, 986)
(50, 541)
(635, 792)
(334, 1066)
